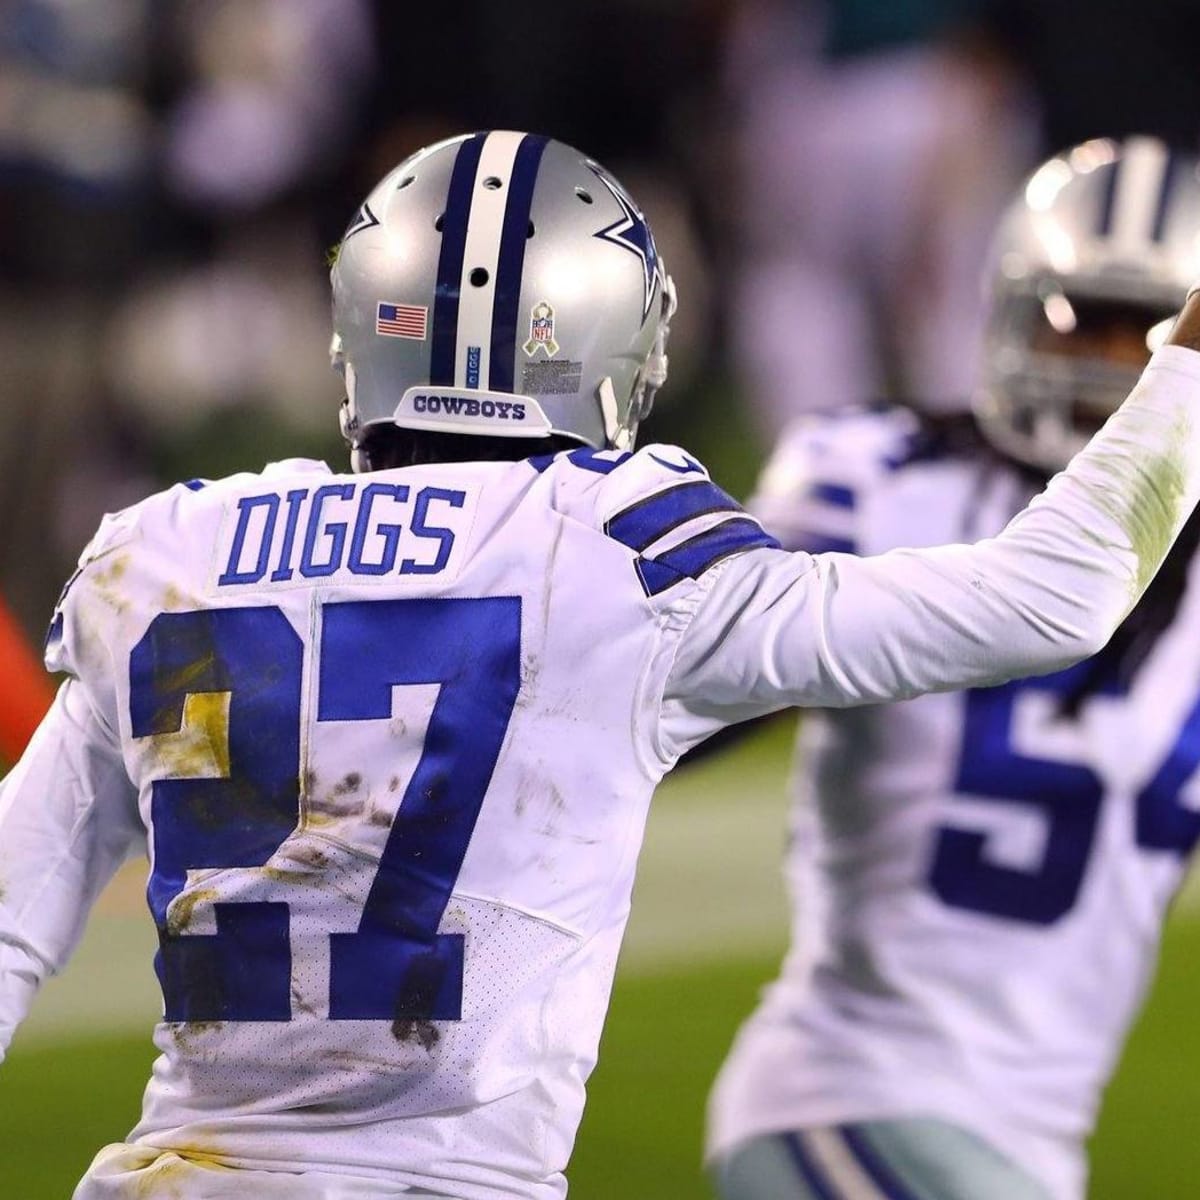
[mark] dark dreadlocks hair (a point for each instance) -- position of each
(1119, 662)
(388, 446)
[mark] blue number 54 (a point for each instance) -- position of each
(1068, 796)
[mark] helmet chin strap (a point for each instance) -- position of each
(653, 375)
(615, 434)
(348, 424)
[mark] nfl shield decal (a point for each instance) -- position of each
(541, 331)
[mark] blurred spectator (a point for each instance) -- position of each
(158, 165)
(172, 176)
(879, 142)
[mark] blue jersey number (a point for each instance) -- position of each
(1068, 796)
(245, 666)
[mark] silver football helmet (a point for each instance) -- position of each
(1091, 263)
(500, 284)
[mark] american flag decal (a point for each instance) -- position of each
(402, 320)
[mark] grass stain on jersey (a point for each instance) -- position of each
(199, 748)
(1151, 511)
(106, 582)
(176, 1170)
(183, 908)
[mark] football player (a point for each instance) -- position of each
(389, 737)
(980, 878)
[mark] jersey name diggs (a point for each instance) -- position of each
(360, 529)
(468, 406)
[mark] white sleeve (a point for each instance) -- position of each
(68, 819)
(779, 629)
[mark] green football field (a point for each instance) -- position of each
(706, 932)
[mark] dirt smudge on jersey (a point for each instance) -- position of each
(339, 804)
(416, 998)
(299, 1004)
(283, 875)
(540, 791)
(380, 817)
(173, 599)
(416, 1030)
(348, 1060)
(312, 857)
(351, 783)
(189, 1035)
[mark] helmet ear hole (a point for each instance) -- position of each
(437, 221)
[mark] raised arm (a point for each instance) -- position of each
(778, 629)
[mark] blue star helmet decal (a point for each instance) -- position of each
(363, 219)
(631, 233)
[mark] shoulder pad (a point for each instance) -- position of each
(115, 530)
(663, 506)
(813, 483)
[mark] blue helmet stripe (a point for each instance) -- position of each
(444, 336)
(1108, 200)
(511, 262)
(1170, 173)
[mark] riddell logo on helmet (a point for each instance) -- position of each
(468, 406)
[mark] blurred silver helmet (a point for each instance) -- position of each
(500, 284)
(1090, 265)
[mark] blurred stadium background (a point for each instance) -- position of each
(171, 178)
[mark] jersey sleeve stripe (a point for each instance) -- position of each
(690, 559)
(821, 543)
(836, 494)
(643, 523)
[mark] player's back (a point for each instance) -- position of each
(394, 740)
(979, 877)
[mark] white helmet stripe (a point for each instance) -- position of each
(481, 254)
(1139, 184)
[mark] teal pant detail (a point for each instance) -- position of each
(873, 1160)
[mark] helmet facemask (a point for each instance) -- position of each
(1091, 263)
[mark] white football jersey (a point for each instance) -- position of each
(390, 739)
(979, 878)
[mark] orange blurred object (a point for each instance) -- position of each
(26, 690)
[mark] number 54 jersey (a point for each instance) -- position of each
(392, 760)
(979, 877)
